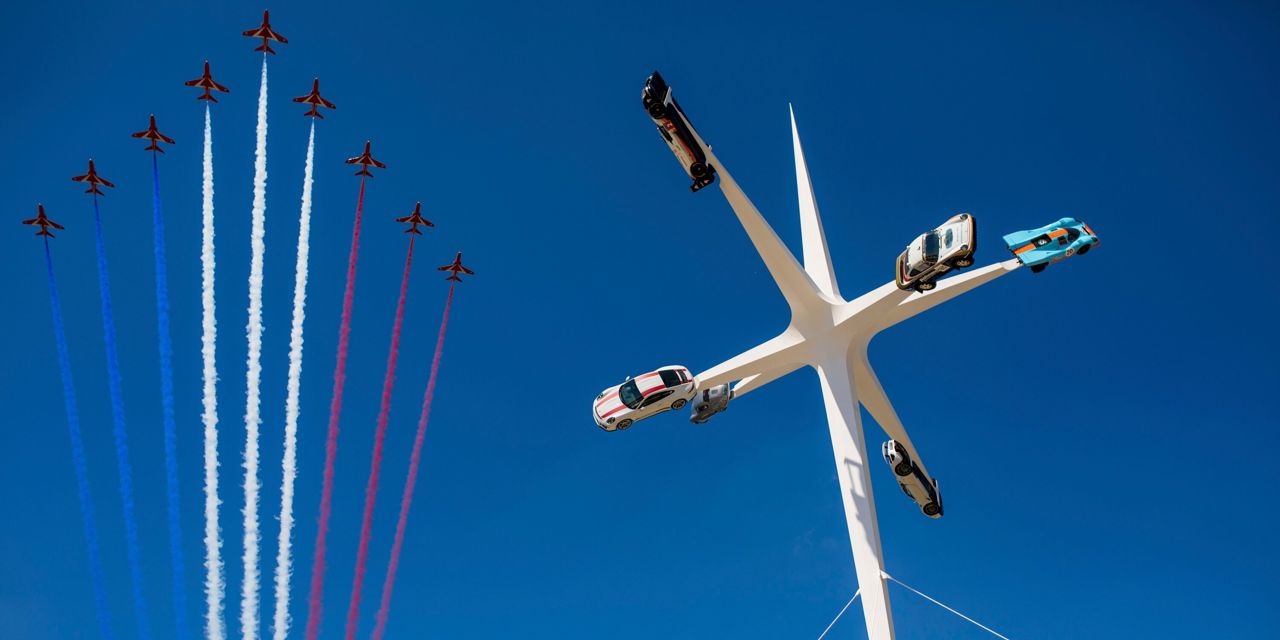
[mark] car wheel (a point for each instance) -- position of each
(657, 111)
(903, 468)
(624, 424)
(1037, 268)
(679, 404)
(926, 286)
(963, 262)
(698, 169)
(932, 509)
(1083, 250)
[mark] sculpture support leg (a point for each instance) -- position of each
(873, 397)
(776, 352)
(792, 279)
(845, 422)
(749, 384)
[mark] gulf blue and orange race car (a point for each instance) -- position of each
(1039, 248)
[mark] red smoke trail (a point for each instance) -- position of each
(406, 499)
(371, 490)
(331, 443)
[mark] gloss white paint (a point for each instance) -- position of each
(830, 334)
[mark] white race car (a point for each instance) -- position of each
(922, 489)
(645, 395)
(936, 252)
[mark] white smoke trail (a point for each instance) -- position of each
(249, 592)
(215, 589)
(284, 558)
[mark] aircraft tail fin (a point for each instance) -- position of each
(454, 278)
(265, 48)
(364, 171)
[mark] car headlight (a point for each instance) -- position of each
(609, 421)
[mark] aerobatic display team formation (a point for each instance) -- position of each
(215, 623)
(827, 332)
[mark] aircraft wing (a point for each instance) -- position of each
(376, 163)
(165, 138)
(404, 219)
(466, 270)
(53, 224)
(326, 103)
(32, 221)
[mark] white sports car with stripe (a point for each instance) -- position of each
(668, 388)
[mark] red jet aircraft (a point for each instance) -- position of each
(416, 219)
(366, 161)
(94, 181)
(154, 136)
(455, 268)
(315, 101)
(266, 34)
(207, 83)
(43, 222)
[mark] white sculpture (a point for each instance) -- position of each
(831, 335)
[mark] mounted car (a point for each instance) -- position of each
(676, 131)
(934, 253)
(919, 487)
(709, 402)
(1039, 248)
(644, 396)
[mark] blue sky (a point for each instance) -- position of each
(1102, 430)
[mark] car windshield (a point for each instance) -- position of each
(630, 395)
(931, 246)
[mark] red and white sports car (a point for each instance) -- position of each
(643, 396)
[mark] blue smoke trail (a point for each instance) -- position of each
(77, 455)
(118, 431)
(166, 401)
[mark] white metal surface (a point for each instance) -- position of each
(831, 334)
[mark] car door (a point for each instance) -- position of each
(654, 403)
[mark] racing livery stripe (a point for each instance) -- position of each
(607, 398)
(613, 411)
(615, 393)
(643, 394)
(1024, 248)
